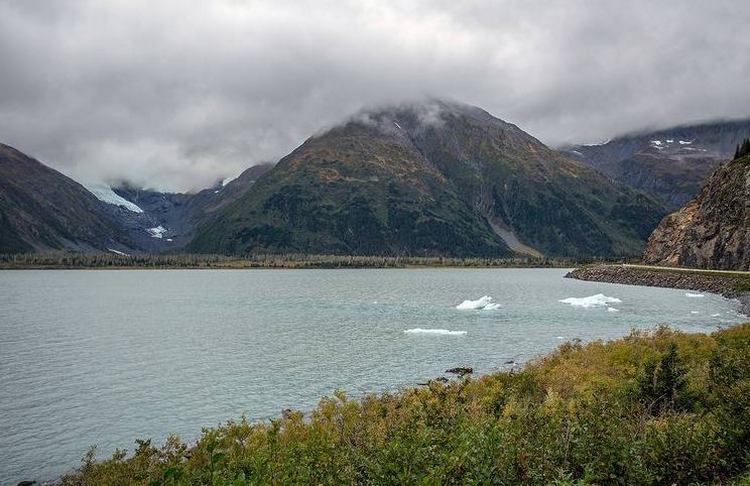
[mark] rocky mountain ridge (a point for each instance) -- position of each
(670, 164)
(712, 230)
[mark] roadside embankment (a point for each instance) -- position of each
(733, 285)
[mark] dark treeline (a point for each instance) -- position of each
(64, 260)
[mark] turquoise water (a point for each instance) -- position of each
(105, 357)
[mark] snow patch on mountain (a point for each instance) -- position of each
(104, 193)
(157, 232)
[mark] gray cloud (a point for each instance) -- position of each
(176, 94)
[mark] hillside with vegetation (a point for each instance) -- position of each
(42, 209)
(431, 178)
(661, 407)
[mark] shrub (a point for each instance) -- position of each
(661, 407)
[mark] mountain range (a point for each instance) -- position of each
(427, 178)
(670, 164)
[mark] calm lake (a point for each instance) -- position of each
(105, 357)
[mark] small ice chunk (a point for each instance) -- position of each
(484, 303)
(444, 332)
(598, 300)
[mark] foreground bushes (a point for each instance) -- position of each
(652, 408)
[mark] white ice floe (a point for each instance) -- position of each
(485, 303)
(695, 296)
(694, 312)
(118, 252)
(612, 309)
(445, 332)
(598, 300)
(105, 193)
(157, 232)
(684, 142)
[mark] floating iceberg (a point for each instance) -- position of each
(485, 303)
(688, 294)
(598, 300)
(445, 332)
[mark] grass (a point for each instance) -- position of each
(660, 407)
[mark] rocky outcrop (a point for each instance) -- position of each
(713, 230)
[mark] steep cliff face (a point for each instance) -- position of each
(712, 230)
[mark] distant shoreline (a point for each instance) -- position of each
(729, 284)
(108, 261)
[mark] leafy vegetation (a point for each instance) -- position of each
(660, 407)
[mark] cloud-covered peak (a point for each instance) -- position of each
(176, 94)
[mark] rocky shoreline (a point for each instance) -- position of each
(729, 286)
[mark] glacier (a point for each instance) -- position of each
(104, 193)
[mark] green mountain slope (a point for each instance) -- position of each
(42, 209)
(431, 178)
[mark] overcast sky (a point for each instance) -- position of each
(176, 94)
